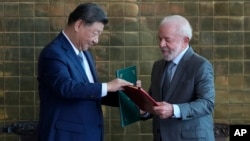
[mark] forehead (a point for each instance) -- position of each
(167, 30)
(168, 27)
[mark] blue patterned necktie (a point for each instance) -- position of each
(167, 76)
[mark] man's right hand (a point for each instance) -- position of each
(117, 84)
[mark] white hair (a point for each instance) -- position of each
(182, 23)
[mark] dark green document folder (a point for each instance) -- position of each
(129, 112)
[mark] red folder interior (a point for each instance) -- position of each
(140, 97)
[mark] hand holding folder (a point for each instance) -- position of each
(140, 97)
(132, 98)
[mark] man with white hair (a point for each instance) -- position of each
(183, 83)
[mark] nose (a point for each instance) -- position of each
(96, 40)
(162, 43)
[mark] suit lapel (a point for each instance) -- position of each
(73, 57)
(179, 72)
(160, 78)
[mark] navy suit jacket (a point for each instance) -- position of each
(70, 106)
(192, 89)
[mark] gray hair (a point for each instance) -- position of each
(182, 23)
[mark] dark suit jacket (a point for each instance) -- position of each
(70, 106)
(192, 88)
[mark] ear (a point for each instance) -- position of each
(78, 25)
(186, 40)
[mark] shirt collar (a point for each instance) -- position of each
(75, 49)
(178, 58)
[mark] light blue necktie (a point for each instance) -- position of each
(85, 66)
(80, 56)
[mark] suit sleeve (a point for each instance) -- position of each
(111, 99)
(204, 94)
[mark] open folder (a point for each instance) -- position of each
(140, 97)
(129, 112)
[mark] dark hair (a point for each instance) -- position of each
(89, 13)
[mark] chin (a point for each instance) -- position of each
(168, 58)
(85, 48)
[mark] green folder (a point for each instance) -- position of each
(129, 112)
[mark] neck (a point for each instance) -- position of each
(71, 35)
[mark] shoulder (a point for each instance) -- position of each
(194, 58)
(199, 60)
(194, 62)
(158, 63)
(56, 46)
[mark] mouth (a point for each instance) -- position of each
(91, 44)
(165, 51)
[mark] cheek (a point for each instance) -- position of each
(172, 46)
(86, 38)
(177, 45)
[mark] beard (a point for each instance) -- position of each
(170, 54)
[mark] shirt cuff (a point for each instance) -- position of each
(104, 89)
(146, 114)
(177, 112)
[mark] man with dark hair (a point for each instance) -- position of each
(90, 13)
(69, 90)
